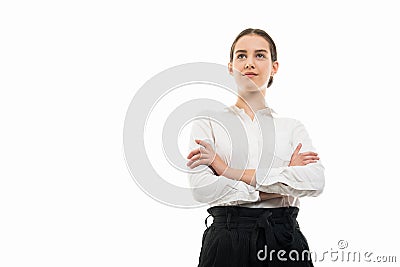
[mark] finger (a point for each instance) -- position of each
(190, 164)
(194, 152)
(202, 142)
(193, 164)
(296, 151)
(309, 153)
(310, 158)
(198, 163)
(200, 156)
(197, 151)
(193, 159)
(309, 161)
(196, 157)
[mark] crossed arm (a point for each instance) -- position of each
(205, 155)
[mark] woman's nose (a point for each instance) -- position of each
(249, 65)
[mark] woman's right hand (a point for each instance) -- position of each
(301, 159)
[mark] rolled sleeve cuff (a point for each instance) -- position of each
(286, 181)
(240, 194)
(265, 177)
(246, 193)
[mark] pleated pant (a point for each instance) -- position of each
(244, 237)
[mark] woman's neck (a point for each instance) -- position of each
(251, 101)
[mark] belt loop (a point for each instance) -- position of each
(205, 221)
(228, 221)
(287, 211)
(289, 217)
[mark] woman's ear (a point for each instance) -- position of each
(275, 67)
(230, 68)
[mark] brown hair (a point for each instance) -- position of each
(263, 34)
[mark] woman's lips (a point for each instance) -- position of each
(250, 75)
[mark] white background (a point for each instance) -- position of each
(68, 71)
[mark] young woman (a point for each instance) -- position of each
(254, 209)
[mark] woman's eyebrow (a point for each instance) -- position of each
(261, 50)
(240, 51)
(257, 51)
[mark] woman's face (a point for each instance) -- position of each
(252, 65)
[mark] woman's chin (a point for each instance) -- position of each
(251, 91)
(250, 88)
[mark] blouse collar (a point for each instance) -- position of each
(266, 110)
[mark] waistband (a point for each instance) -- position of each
(237, 211)
(235, 216)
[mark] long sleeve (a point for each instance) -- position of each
(297, 181)
(208, 187)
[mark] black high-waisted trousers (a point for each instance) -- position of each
(245, 237)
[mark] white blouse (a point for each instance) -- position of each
(272, 175)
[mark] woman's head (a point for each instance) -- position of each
(253, 55)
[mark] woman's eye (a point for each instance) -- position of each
(260, 55)
(241, 56)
